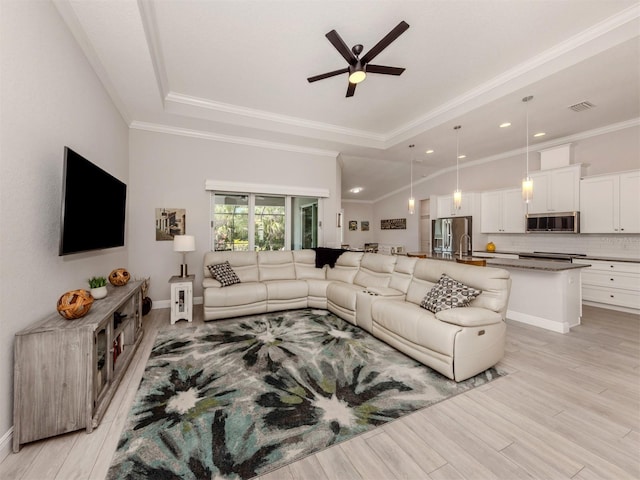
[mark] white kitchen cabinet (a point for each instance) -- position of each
(610, 284)
(556, 190)
(444, 206)
(502, 211)
(610, 203)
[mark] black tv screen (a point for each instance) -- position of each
(93, 207)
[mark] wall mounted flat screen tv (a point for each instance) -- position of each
(93, 207)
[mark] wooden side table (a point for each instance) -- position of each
(181, 298)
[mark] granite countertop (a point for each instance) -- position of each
(549, 266)
(604, 258)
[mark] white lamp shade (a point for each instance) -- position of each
(184, 243)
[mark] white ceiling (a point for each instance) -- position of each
(236, 71)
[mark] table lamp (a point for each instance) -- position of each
(184, 244)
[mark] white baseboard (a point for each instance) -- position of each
(540, 322)
(6, 444)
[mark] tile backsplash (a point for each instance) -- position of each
(605, 245)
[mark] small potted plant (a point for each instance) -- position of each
(98, 287)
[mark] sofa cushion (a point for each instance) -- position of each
(346, 267)
(402, 273)
(276, 265)
(286, 289)
(245, 264)
(343, 294)
(304, 262)
(235, 295)
(224, 274)
(375, 270)
(417, 325)
(469, 317)
(448, 293)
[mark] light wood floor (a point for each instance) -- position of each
(569, 408)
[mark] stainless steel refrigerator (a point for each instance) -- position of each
(448, 235)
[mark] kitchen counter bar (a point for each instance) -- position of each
(604, 258)
(545, 294)
(527, 264)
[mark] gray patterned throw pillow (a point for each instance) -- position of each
(223, 273)
(448, 293)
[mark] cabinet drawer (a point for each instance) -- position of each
(612, 280)
(611, 296)
(626, 267)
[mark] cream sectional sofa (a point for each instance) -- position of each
(379, 293)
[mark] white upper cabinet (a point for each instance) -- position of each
(444, 206)
(502, 211)
(610, 203)
(556, 190)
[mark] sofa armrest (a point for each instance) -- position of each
(385, 292)
(208, 282)
(469, 316)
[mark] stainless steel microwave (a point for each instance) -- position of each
(565, 222)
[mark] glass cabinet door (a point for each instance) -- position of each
(101, 356)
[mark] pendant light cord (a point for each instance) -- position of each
(527, 100)
(457, 157)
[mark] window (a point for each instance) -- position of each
(230, 222)
(269, 216)
(252, 222)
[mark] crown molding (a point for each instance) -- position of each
(186, 132)
(634, 122)
(602, 36)
(348, 135)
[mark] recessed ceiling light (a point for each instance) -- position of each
(462, 156)
(505, 124)
(539, 134)
(356, 189)
(428, 152)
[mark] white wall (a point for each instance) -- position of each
(50, 97)
(358, 212)
(171, 170)
(607, 153)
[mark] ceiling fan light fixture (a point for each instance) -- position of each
(357, 74)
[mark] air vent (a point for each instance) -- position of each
(582, 106)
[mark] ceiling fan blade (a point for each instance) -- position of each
(351, 89)
(384, 43)
(342, 48)
(384, 70)
(327, 75)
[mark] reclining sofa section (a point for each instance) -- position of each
(379, 293)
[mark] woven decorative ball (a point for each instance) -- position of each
(74, 304)
(119, 277)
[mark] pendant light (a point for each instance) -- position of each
(457, 195)
(412, 201)
(527, 183)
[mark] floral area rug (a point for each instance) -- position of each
(241, 397)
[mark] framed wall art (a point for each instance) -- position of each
(394, 224)
(170, 222)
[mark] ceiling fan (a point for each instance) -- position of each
(359, 67)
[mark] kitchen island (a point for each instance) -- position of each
(545, 294)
